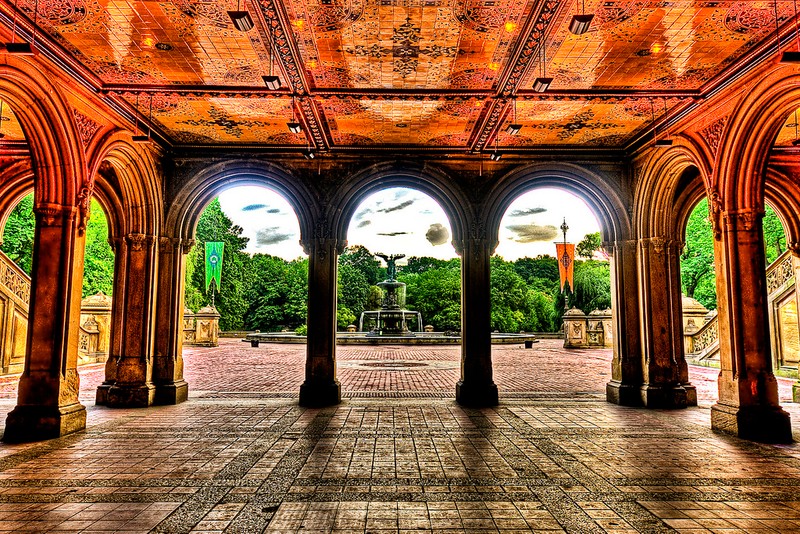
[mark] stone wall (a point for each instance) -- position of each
(587, 331)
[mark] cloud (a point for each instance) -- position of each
(254, 207)
(530, 233)
(363, 213)
(392, 234)
(403, 205)
(274, 210)
(529, 211)
(271, 236)
(362, 224)
(437, 234)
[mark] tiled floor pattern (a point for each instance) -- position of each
(235, 459)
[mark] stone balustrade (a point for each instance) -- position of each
(583, 331)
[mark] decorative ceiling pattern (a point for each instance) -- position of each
(414, 73)
(10, 129)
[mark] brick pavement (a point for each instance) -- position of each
(398, 455)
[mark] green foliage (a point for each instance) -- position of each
(98, 262)
(362, 260)
(590, 244)
(515, 306)
(230, 300)
(277, 294)
(18, 234)
(592, 280)
(774, 236)
(417, 265)
(436, 294)
(697, 259)
(540, 273)
(353, 292)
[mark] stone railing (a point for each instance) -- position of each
(15, 290)
(779, 273)
(703, 343)
(587, 331)
(201, 329)
(95, 334)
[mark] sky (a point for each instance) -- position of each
(406, 221)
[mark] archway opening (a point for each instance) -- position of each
(699, 299)
(263, 280)
(527, 293)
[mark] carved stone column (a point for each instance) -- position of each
(476, 387)
(47, 399)
(748, 392)
(171, 388)
(795, 249)
(119, 246)
(133, 384)
(320, 387)
(626, 365)
(665, 371)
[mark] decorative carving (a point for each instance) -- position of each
(14, 281)
(84, 203)
(187, 244)
(706, 336)
(779, 273)
(794, 247)
(658, 244)
(713, 133)
(137, 241)
(53, 214)
(745, 219)
(715, 213)
(86, 127)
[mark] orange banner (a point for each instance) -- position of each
(565, 252)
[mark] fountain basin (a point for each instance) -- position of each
(363, 338)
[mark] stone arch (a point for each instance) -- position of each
(57, 157)
(186, 207)
(127, 176)
(669, 185)
(426, 179)
(748, 137)
(782, 192)
(605, 201)
(17, 182)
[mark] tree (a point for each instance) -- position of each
(436, 294)
(416, 264)
(98, 262)
(697, 259)
(18, 234)
(230, 300)
(590, 244)
(361, 259)
(774, 236)
(353, 290)
(592, 281)
(277, 294)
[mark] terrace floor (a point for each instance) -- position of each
(398, 455)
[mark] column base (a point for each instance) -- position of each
(477, 396)
(623, 394)
(122, 396)
(691, 394)
(172, 392)
(36, 423)
(101, 397)
(796, 392)
(314, 395)
(664, 397)
(767, 424)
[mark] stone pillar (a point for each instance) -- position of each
(120, 248)
(171, 388)
(476, 387)
(320, 387)
(665, 371)
(748, 392)
(626, 366)
(47, 399)
(133, 384)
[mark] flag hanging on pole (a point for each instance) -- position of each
(566, 259)
(214, 262)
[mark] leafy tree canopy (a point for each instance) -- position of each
(590, 244)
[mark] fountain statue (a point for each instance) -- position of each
(391, 319)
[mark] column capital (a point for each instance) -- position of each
(746, 219)
(139, 242)
(54, 214)
(187, 244)
(660, 245)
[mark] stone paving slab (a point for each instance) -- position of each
(398, 455)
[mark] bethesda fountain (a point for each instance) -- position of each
(392, 318)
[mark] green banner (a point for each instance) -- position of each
(214, 262)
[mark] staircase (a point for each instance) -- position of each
(702, 345)
(15, 290)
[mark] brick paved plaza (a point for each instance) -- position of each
(398, 455)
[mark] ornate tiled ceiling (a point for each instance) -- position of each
(413, 73)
